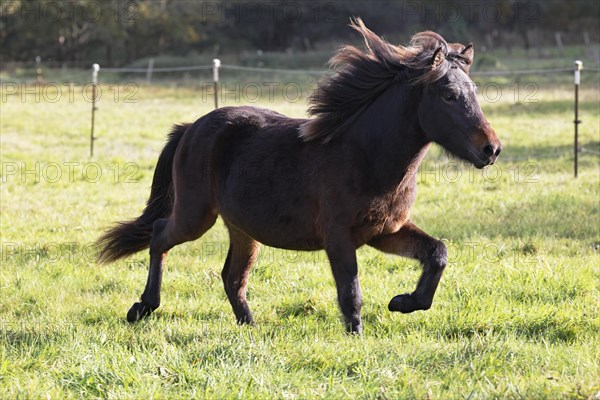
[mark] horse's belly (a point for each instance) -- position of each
(287, 240)
(282, 231)
(281, 217)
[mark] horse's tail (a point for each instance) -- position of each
(127, 238)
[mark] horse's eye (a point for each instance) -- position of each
(449, 96)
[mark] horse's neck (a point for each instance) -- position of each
(390, 133)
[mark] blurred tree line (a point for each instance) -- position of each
(118, 32)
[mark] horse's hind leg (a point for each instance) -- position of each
(186, 223)
(243, 252)
(412, 242)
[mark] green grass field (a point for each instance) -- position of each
(517, 314)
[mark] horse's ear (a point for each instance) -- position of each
(438, 58)
(467, 53)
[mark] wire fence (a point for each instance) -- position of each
(329, 72)
(150, 70)
(583, 149)
(307, 72)
(164, 69)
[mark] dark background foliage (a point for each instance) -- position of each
(116, 33)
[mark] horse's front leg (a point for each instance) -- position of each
(342, 257)
(412, 242)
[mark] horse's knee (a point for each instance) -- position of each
(437, 254)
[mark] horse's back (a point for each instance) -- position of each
(264, 177)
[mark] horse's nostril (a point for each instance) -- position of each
(488, 150)
(498, 151)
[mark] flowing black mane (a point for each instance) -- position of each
(362, 76)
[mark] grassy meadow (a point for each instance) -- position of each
(517, 314)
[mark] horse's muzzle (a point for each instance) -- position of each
(490, 152)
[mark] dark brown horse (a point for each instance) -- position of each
(341, 180)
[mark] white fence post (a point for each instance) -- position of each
(576, 121)
(149, 70)
(216, 65)
(95, 69)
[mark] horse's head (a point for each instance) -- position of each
(449, 112)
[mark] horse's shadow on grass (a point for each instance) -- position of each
(534, 329)
(27, 337)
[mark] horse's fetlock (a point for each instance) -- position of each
(355, 328)
(151, 303)
(420, 303)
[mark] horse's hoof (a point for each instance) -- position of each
(246, 320)
(138, 311)
(405, 303)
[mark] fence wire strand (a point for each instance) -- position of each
(276, 70)
(521, 72)
(165, 69)
(327, 72)
(584, 150)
